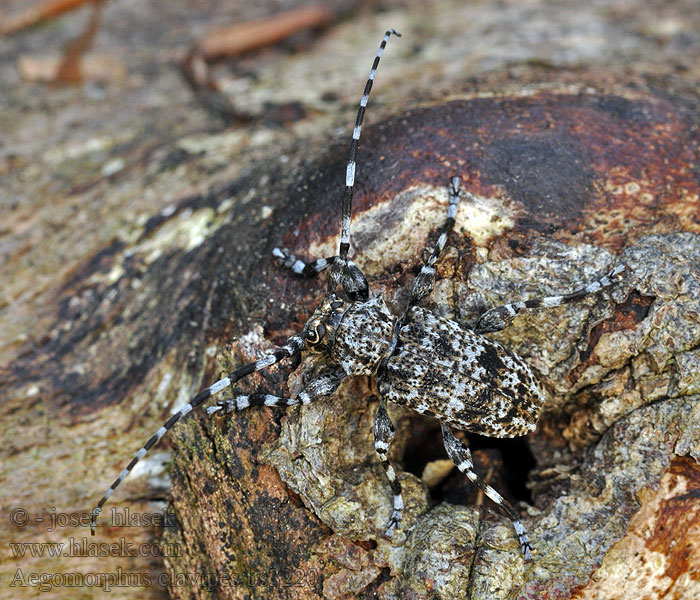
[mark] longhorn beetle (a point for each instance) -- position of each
(427, 363)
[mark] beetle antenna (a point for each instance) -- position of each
(292, 348)
(340, 264)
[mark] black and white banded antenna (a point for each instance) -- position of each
(353, 280)
(291, 348)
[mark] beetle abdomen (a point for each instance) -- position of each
(443, 370)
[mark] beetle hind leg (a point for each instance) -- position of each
(462, 457)
(500, 317)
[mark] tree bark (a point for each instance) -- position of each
(137, 265)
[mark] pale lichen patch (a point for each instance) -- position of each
(185, 232)
(484, 218)
(154, 466)
(396, 230)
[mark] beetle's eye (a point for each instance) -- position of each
(316, 333)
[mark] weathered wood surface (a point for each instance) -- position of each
(136, 265)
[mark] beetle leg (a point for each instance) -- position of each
(423, 284)
(383, 434)
(498, 318)
(460, 456)
(320, 387)
(298, 266)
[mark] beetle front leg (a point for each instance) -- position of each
(462, 457)
(296, 265)
(383, 434)
(344, 272)
(322, 386)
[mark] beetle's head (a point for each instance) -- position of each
(319, 331)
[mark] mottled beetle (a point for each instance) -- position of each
(427, 363)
